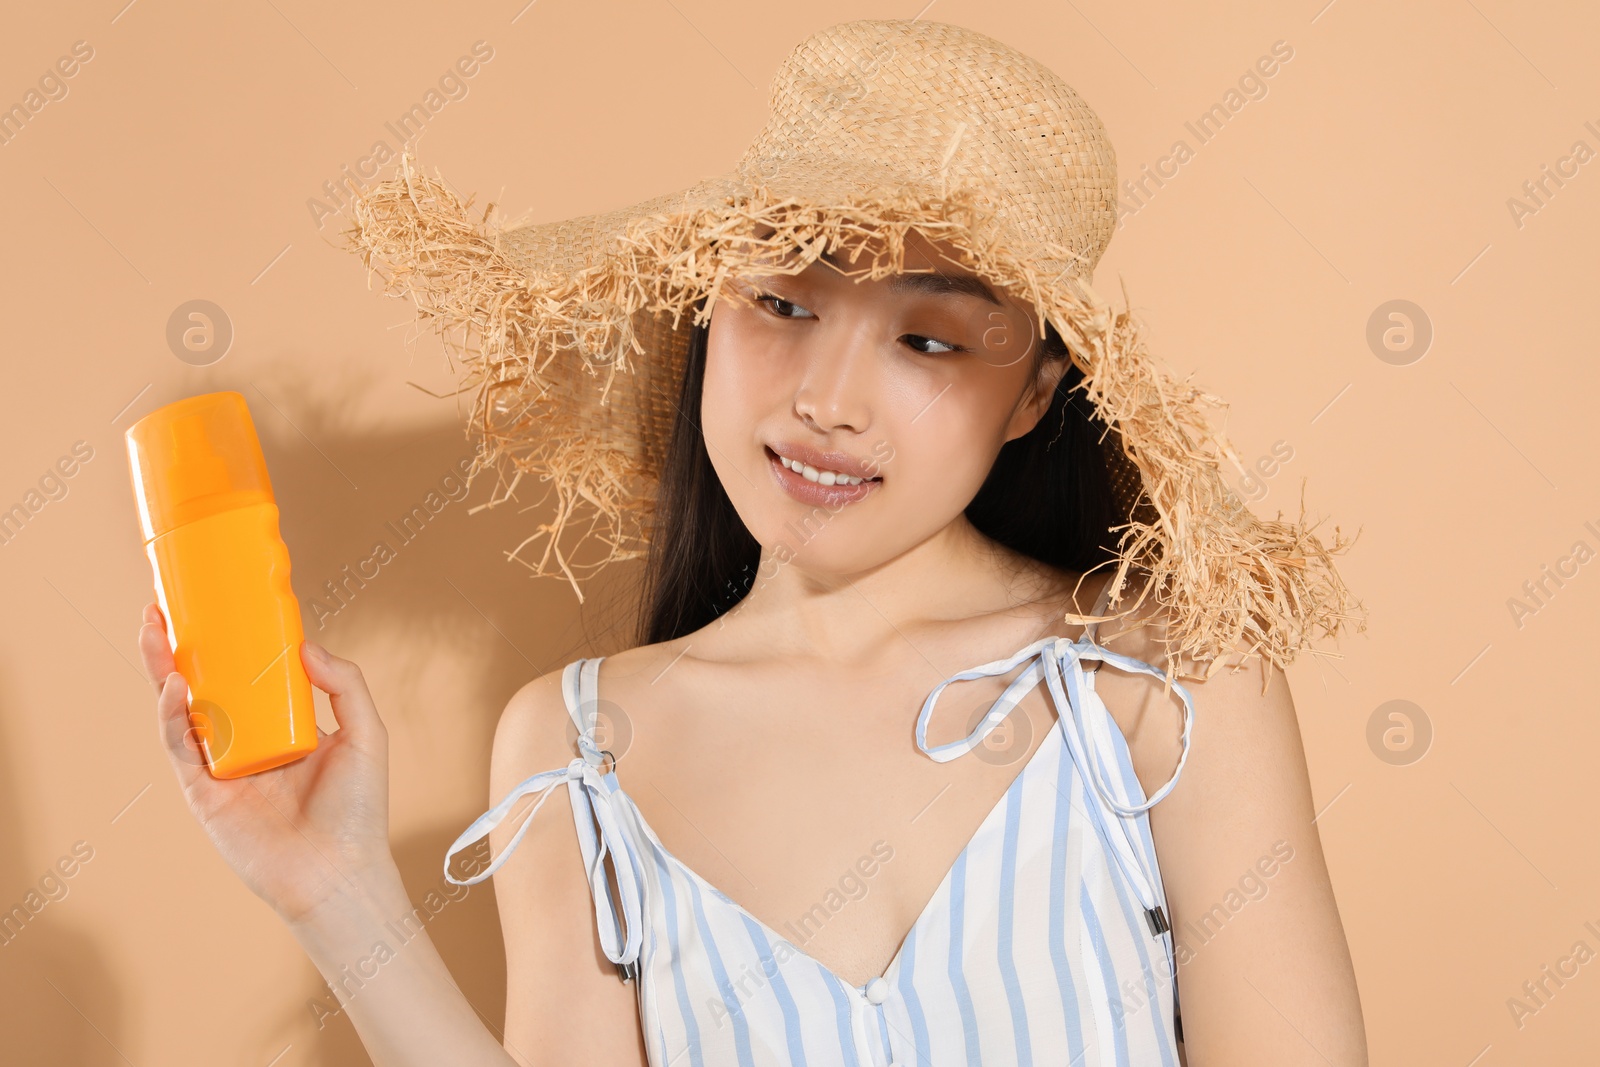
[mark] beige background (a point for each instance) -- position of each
(1378, 166)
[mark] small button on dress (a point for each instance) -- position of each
(1047, 942)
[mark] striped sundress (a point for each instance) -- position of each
(1047, 942)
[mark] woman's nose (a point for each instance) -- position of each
(838, 381)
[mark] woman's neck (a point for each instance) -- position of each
(844, 619)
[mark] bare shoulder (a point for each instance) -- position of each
(1244, 730)
(639, 688)
(564, 999)
(530, 735)
(648, 661)
(1258, 936)
(1151, 717)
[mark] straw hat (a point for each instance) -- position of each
(574, 333)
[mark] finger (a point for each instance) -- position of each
(347, 690)
(154, 648)
(177, 735)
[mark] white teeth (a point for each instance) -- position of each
(812, 474)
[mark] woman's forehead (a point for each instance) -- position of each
(859, 239)
(927, 265)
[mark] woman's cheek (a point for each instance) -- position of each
(737, 377)
(726, 422)
(939, 460)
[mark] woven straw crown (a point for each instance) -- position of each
(574, 333)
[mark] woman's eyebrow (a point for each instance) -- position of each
(933, 282)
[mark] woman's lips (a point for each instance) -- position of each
(807, 492)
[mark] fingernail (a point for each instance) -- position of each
(317, 651)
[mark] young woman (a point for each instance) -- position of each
(882, 498)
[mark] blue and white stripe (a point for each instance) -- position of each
(1036, 948)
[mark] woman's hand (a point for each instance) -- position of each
(301, 833)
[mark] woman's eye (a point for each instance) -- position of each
(788, 309)
(782, 308)
(915, 340)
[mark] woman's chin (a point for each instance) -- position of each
(826, 556)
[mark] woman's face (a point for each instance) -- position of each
(910, 383)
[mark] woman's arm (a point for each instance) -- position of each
(398, 994)
(1264, 970)
(311, 839)
(564, 998)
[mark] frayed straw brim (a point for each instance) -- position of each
(573, 335)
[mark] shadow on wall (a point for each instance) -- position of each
(385, 554)
(53, 977)
(443, 588)
(462, 922)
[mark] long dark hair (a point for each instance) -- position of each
(1047, 497)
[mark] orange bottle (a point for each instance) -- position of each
(210, 527)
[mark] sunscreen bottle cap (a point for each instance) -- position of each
(195, 458)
